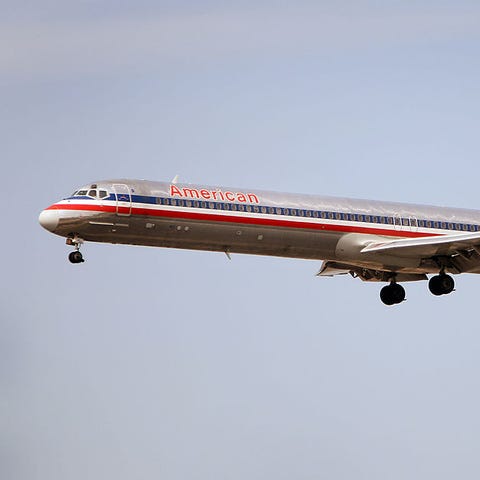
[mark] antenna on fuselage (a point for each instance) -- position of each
(175, 179)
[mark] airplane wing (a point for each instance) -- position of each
(425, 247)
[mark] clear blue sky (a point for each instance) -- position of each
(150, 363)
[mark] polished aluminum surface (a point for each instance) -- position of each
(118, 219)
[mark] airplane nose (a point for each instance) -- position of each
(49, 220)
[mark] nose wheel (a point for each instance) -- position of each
(76, 256)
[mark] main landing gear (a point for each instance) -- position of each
(392, 294)
(76, 256)
(442, 284)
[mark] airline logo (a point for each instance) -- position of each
(204, 194)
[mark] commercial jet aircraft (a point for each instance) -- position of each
(372, 240)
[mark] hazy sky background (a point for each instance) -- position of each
(150, 363)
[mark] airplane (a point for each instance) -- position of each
(371, 240)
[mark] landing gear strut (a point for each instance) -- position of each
(76, 256)
(442, 284)
(392, 294)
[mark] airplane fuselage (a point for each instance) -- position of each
(235, 220)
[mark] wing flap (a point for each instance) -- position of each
(330, 269)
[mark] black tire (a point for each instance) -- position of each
(447, 283)
(398, 293)
(75, 257)
(441, 285)
(392, 294)
(386, 295)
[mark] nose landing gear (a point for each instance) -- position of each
(76, 256)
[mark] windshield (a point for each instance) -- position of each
(91, 193)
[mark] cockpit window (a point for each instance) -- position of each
(92, 192)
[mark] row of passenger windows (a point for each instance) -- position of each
(295, 212)
(95, 193)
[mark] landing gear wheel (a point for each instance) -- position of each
(441, 284)
(392, 294)
(76, 257)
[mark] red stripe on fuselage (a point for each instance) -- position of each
(267, 222)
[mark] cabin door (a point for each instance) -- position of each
(124, 200)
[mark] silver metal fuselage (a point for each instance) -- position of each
(234, 220)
